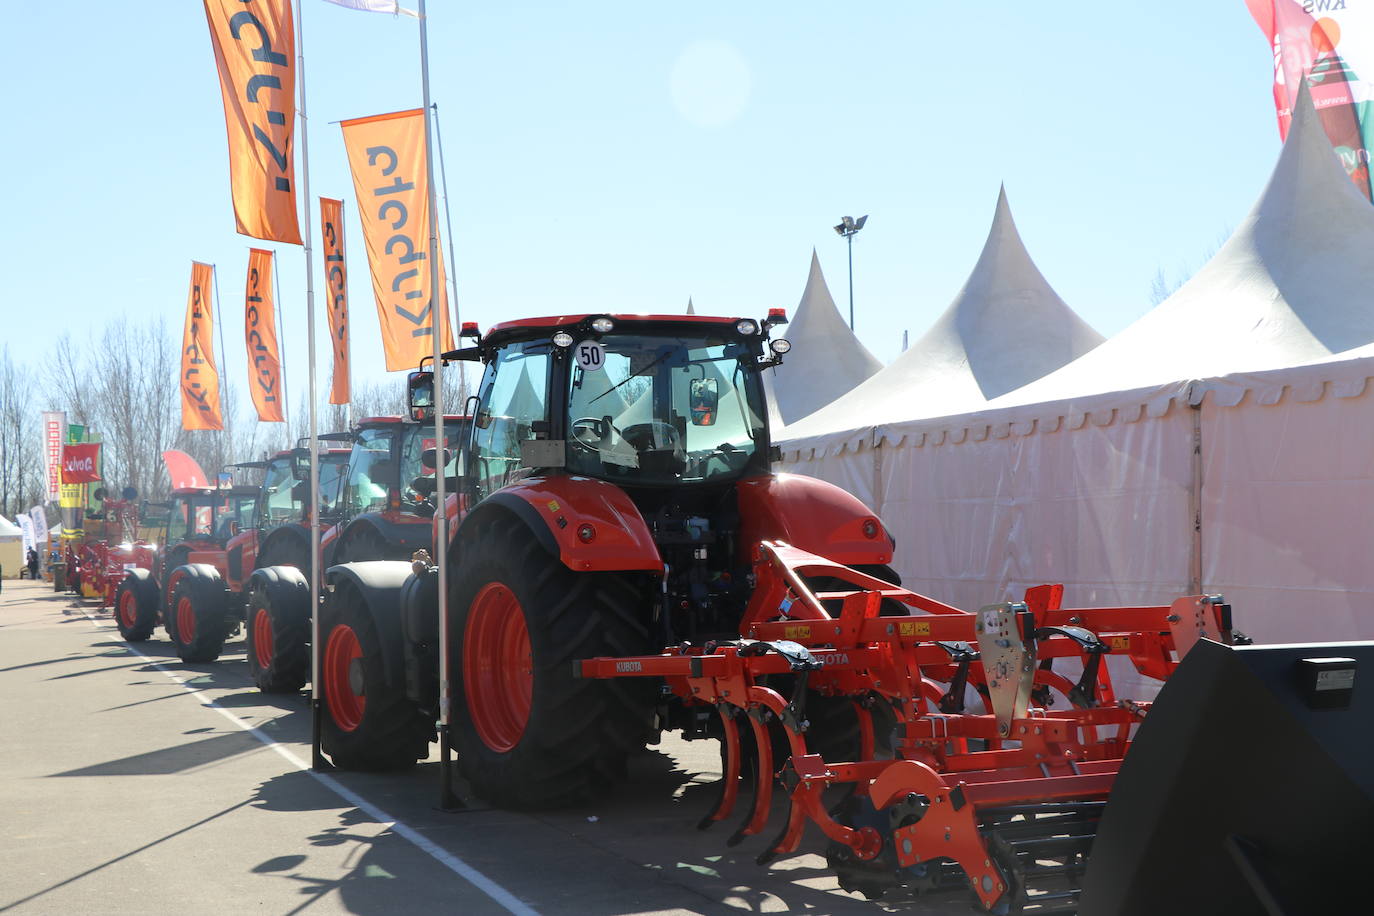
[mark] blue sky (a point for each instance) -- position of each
(620, 156)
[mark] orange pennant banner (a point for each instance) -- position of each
(390, 179)
(336, 275)
(255, 47)
(260, 331)
(199, 377)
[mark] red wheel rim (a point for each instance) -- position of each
(345, 707)
(262, 637)
(498, 668)
(186, 621)
(128, 609)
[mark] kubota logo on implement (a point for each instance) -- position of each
(624, 667)
(835, 658)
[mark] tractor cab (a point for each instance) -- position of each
(637, 401)
(207, 517)
(387, 469)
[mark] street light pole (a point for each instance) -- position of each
(847, 228)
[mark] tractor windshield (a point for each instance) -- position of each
(661, 410)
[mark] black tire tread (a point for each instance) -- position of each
(580, 732)
(284, 594)
(394, 733)
(145, 600)
(203, 585)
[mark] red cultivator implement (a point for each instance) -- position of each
(1003, 799)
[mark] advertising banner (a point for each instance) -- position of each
(199, 377)
(54, 431)
(386, 154)
(26, 527)
(1329, 46)
(255, 52)
(40, 524)
(73, 499)
(260, 332)
(336, 276)
(80, 463)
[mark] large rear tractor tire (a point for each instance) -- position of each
(278, 625)
(366, 543)
(136, 605)
(529, 734)
(368, 723)
(197, 617)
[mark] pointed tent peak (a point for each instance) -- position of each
(829, 360)
(1306, 167)
(690, 309)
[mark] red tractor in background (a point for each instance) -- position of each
(378, 504)
(180, 581)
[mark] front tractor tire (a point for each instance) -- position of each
(197, 616)
(136, 605)
(278, 625)
(368, 723)
(529, 734)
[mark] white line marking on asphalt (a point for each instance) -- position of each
(454, 864)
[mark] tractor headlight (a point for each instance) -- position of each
(780, 346)
(747, 327)
(562, 339)
(602, 325)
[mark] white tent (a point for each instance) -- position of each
(1292, 284)
(827, 359)
(1006, 327)
(1214, 445)
(11, 548)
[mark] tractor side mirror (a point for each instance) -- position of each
(703, 398)
(420, 395)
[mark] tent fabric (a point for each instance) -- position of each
(1223, 443)
(1290, 286)
(827, 359)
(9, 529)
(1005, 328)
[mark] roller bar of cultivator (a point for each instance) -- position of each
(942, 797)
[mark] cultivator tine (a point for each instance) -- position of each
(729, 781)
(763, 779)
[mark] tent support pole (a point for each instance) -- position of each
(1195, 499)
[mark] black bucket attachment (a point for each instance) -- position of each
(1249, 789)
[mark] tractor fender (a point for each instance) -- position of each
(142, 580)
(239, 558)
(379, 584)
(812, 515)
(558, 511)
(290, 532)
(401, 532)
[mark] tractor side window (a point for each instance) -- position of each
(372, 472)
(513, 396)
(176, 522)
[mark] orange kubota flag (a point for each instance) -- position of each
(260, 331)
(199, 377)
(255, 46)
(387, 156)
(336, 273)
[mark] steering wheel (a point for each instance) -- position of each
(598, 426)
(647, 435)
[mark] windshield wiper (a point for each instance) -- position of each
(666, 354)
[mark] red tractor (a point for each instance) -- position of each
(616, 485)
(180, 581)
(377, 501)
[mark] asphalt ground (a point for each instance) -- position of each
(131, 782)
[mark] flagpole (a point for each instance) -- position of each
(448, 798)
(281, 347)
(448, 229)
(317, 760)
(224, 362)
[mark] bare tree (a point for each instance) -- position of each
(21, 448)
